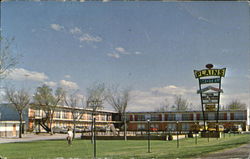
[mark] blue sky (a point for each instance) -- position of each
(152, 47)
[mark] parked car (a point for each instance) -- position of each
(153, 129)
(237, 129)
(58, 129)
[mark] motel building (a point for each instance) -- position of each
(167, 121)
(9, 121)
(136, 121)
(63, 118)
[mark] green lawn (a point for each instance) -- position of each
(119, 149)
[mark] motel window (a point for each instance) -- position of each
(155, 117)
(221, 116)
(185, 126)
(206, 116)
(141, 126)
(171, 117)
(211, 116)
(186, 117)
(109, 117)
(58, 114)
(103, 117)
(238, 116)
(178, 117)
(171, 127)
(37, 113)
(64, 114)
(154, 126)
(140, 117)
(89, 116)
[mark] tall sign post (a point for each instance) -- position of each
(210, 95)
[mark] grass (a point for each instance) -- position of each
(119, 149)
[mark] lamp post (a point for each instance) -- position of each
(196, 131)
(177, 128)
(94, 136)
(148, 135)
(93, 104)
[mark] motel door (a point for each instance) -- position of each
(14, 130)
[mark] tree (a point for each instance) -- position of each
(236, 104)
(165, 106)
(180, 103)
(20, 99)
(75, 102)
(46, 101)
(7, 61)
(96, 95)
(118, 99)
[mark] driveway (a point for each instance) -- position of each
(34, 137)
(242, 152)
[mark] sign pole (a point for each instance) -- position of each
(218, 108)
(202, 107)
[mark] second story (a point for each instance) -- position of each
(65, 113)
(188, 115)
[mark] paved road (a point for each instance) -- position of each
(33, 137)
(242, 152)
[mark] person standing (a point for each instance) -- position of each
(70, 136)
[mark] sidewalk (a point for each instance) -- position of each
(34, 137)
(242, 152)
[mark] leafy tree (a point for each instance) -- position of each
(236, 104)
(20, 99)
(46, 101)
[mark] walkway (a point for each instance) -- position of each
(242, 152)
(34, 137)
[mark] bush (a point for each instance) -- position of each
(190, 135)
(170, 137)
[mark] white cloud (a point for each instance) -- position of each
(67, 76)
(227, 98)
(120, 49)
(68, 84)
(114, 55)
(137, 53)
(23, 74)
(56, 27)
(75, 30)
(50, 83)
(153, 98)
(172, 90)
(89, 38)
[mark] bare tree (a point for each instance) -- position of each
(165, 106)
(20, 99)
(7, 60)
(96, 95)
(46, 101)
(75, 102)
(180, 103)
(236, 104)
(118, 99)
